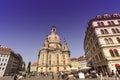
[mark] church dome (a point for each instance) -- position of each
(53, 37)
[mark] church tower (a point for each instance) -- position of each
(53, 57)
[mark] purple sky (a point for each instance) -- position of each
(24, 24)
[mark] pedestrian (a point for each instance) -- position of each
(116, 75)
(112, 74)
(15, 77)
(58, 74)
(101, 76)
(62, 75)
(52, 76)
(81, 75)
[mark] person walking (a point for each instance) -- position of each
(52, 76)
(116, 75)
(101, 76)
(15, 77)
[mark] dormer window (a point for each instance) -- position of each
(116, 15)
(106, 16)
(98, 16)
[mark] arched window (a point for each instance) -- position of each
(112, 22)
(106, 41)
(119, 21)
(110, 41)
(98, 23)
(117, 30)
(49, 59)
(106, 31)
(118, 39)
(109, 23)
(102, 32)
(113, 30)
(116, 53)
(102, 24)
(57, 58)
(111, 52)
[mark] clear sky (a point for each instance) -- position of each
(24, 24)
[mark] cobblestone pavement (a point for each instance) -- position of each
(44, 78)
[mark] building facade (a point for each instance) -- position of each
(78, 63)
(53, 56)
(33, 67)
(10, 62)
(82, 62)
(75, 64)
(102, 43)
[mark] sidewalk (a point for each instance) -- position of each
(46, 78)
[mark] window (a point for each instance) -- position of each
(100, 23)
(106, 40)
(109, 23)
(2, 59)
(5, 59)
(102, 31)
(57, 58)
(64, 68)
(111, 52)
(117, 30)
(3, 68)
(118, 39)
(1, 64)
(113, 30)
(119, 21)
(50, 68)
(112, 22)
(63, 61)
(106, 31)
(110, 41)
(116, 53)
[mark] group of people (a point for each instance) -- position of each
(18, 77)
(80, 75)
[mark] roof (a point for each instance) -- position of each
(6, 50)
(34, 64)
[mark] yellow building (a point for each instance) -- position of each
(53, 56)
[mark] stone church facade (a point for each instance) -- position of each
(53, 56)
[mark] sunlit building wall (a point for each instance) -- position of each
(53, 56)
(102, 43)
(10, 62)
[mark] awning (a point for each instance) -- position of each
(85, 68)
(117, 65)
